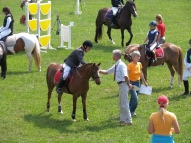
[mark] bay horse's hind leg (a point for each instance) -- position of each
(48, 102)
(59, 104)
(109, 35)
(84, 107)
(172, 72)
(177, 69)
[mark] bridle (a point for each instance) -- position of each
(128, 56)
(91, 74)
(92, 71)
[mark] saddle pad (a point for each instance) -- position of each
(109, 14)
(11, 40)
(159, 52)
(58, 75)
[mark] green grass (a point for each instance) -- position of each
(23, 96)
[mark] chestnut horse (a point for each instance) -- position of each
(123, 22)
(24, 42)
(172, 56)
(78, 86)
(3, 59)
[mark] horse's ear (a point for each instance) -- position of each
(99, 64)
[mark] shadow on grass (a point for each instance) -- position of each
(20, 72)
(159, 89)
(43, 120)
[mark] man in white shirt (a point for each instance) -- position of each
(120, 76)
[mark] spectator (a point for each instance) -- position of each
(120, 76)
(135, 73)
(163, 123)
(161, 29)
(187, 70)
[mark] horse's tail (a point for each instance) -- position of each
(36, 53)
(99, 26)
(180, 62)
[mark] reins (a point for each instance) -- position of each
(91, 75)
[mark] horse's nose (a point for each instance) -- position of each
(98, 83)
(135, 14)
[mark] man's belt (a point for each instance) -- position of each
(120, 82)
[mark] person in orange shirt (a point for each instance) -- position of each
(135, 73)
(163, 123)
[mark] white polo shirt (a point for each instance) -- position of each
(121, 71)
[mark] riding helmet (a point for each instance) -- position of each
(87, 43)
(190, 41)
(153, 23)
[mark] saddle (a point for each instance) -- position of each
(158, 52)
(69, 79)
(59, 74)
(109, 14)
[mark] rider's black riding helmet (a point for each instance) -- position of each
(87, 43)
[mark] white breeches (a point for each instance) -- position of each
(153, 46)
(114, 9)
(66, 71)
(5, 33)
(186, 74)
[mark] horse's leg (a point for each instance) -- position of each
(74, 108)
(122, 37)
(144, 70)
(3, 67)
(177, 70)
(109, 35)
(30, 61)
(48, 102)
(172, 74)
(59, 104)
(131, 36)
(84, 107)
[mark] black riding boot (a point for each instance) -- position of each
(59, 86)
(113, 20)
(152, 57)
(186, 87)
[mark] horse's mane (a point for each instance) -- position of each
(87, 64)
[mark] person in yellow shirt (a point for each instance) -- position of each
(163, 123)
(135, 74)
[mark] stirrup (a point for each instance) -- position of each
(59, 90)
(112, 24)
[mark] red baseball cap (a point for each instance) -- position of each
(162, 99)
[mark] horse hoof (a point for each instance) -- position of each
(74, 120)
(60, 112)
(170, 86)
(86, 119)
(112, 42)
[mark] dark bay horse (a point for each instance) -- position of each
(79, 85)
(172, 56)
(3, 59)
(124, 22)
(25, 42)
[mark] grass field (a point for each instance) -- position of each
(23, 96)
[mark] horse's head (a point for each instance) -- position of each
(130, 4)
(95, 73)
(129, 50)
